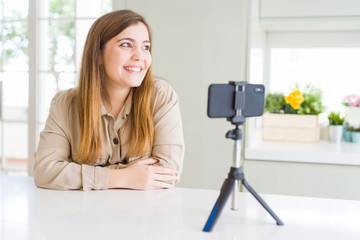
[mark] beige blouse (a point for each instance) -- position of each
(55, 167)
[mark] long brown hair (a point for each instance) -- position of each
(91, 91)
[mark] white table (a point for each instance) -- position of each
(27, 212)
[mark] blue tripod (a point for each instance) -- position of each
(231, 184)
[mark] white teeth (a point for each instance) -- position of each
(133, 69)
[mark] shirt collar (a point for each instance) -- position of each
(125, 111)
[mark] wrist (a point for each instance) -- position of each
(117, 178)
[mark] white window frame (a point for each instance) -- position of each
(34, 106)
(256, 148)
(321, 39)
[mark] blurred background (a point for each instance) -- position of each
(279, 43)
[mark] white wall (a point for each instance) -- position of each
(305, 15)
(309, 8)
(304, 179)
(197, 43)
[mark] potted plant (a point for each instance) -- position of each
(307, 102)
(355, 135)
(336, 123)
(352, 108)
(352, 134)
(293, 117)
(275, 103)
(348, 132)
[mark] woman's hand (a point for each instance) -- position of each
(142, 175)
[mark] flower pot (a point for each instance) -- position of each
(336, 133)
(347, 136)
(355, 137)
(290, 127)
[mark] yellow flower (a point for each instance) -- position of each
(294, 99)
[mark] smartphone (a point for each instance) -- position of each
(221, 100)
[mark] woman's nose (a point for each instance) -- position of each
(138, 54)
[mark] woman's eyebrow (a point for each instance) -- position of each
(131, 40)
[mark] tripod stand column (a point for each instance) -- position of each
(236, 164)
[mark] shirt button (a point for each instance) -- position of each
(115, 141)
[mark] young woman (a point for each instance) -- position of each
(119, 128)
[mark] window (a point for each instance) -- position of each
(14, 83)
(325, 59)
(63, 25)
(334, 70)
(61, 28)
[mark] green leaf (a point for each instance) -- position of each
(275, 103)
(336, 119)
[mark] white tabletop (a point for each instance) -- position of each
(27, 212)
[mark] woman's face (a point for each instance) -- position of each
(127, 57)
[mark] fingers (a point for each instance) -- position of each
(158, 169)
(165, 178)
(164, 170)
(164, 174)
(162, 185)
(148, 161)
(145, 175)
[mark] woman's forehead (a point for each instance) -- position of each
(137, 31)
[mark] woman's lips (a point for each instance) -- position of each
(133, 69)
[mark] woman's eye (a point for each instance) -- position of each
(146, 47)
(125, 44)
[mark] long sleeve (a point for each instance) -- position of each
(169, 144)
(54, 167)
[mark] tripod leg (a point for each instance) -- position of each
(225, 191)
(262, 202)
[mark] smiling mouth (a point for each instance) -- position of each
(133, 69)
